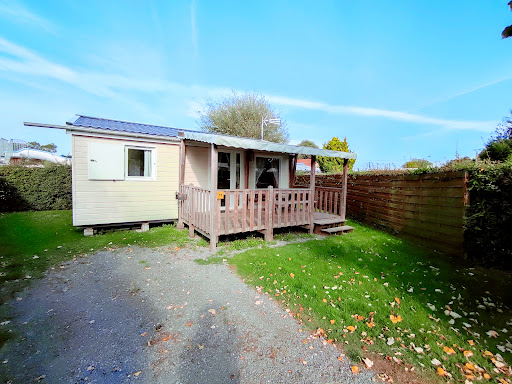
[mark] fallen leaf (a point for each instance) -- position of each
(492, 333)
(324, 300)
(441, 371)
(395, 319)
(468, 354)
(292, 275)
(471, 342)
(189, 324)
(137, 373)
(368, 363)
(371, 324)
(333, 321)
(355, 369)
(351, 328)
(436, 362)
(449, 351)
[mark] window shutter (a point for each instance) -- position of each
(106, 161)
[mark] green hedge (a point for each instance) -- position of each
(488, 224)
(35, 189)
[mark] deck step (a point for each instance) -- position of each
(343, 229)
(329, 221)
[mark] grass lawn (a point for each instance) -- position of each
(384, 298)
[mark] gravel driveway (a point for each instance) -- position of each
(156, 316)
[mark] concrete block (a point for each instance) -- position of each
(89, 231)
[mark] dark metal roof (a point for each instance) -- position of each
(124, 126)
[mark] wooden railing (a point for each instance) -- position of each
(194, 207)
(330, 200)
(245, 210)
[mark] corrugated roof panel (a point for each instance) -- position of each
(262, 145)
(124, 126)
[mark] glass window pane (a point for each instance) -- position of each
(223, 172)
(135, 162)
(237, 171)
(267, 172)
(147, 163)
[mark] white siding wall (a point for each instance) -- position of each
(106, 201)
(197, 166)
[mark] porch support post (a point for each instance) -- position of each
(181, 182)
(343, 208)
(269, 215)
(313, 199)
(213, 196)
(293, 167)
(249, 158)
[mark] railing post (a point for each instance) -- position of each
(213, 196)
(181, 183)
(311, 206)
(343, 203)
(269, 213)
(192, 213)
(312, 194)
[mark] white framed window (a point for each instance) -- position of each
(140, 163)
(267, 172)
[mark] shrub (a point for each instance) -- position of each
(488, 223)
(35, 189)
(497, 150)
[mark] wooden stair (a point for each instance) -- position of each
(340, 229)
(330, 225)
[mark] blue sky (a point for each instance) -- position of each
(400, 79)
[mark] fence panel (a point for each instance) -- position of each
(426, 209)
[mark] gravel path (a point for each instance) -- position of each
(156, 316)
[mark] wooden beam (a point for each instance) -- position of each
(344, 183)
(312, 194)
(293, 167)
(181, 182)
(214, 162)
(249, 158)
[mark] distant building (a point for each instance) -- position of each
(305, 165)
(17, 152)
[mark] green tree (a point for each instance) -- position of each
(242, 115)
(504, 129)
(499, 147)
(417, 163)
(306, 143)
(49, 148)
(335, 164)
(507, 32)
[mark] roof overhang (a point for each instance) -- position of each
(262, 145)
(107, 132)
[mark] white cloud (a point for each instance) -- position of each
(483, 126)
(15, 11)
(19, 60)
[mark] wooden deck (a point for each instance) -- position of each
(246, 210)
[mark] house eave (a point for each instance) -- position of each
(107, 132)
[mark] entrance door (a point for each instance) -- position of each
(230, 173)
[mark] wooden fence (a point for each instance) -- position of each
(427, 209)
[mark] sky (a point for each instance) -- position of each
(399, 79)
